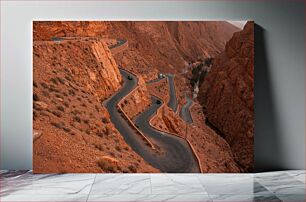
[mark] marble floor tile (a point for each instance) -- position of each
(292, 197)
(43, 198)
(149, 198)
(236, 184)
(176, 184)
(298, 175)
(245, 198)
(48, 184)
(117, 184)
(281, 183)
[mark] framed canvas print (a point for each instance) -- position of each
(143, 96)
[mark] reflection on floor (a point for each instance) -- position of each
(272, 186)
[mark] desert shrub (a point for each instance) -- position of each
(75, 112)
(57, 125)
(61, 108)
(83, 105)
(132, 168)
(79, 99)
(126, 148)
(54, 81)
(105, 120)
(44, 85)
(118, 148)
(68, 78)
(99, 147)
(45, 93)
(56, 113)
(66, 104)
(86, 121)
(106, 166)
(87, 132)
(66, 129)
(97, 108)
(77, 119)
(59, 96)
(71, 92)
(35, 97)
(112, 154)
(107, 131)
(35, 84)
(62, 81)
(53, 89)
(100, 134)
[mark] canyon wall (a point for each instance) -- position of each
(153, 46)
(227, 95)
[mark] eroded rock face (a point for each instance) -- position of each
(153, 46)
(227, 95)
(137, 101)
(71, 79)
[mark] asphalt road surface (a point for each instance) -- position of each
(176, 156)
(185, 111)
(173, 101)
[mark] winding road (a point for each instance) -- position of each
(178, 157)
(176, 154)
(185, 111)
(173, 101)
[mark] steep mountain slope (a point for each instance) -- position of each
(227, 95)
(71, 79)
(163, 46)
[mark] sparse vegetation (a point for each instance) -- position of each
(105, 120)
(61, 108)
(118, 148)
(62, 81)
(57, 125)
(56, 113)
(77, 119)
(86, 121)
(35, 97)
(132, 168)
(106, 166)
(54, 80)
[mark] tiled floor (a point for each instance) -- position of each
(273, 186)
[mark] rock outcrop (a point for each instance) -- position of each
(227, 95)
(153, 46)
(71, 79)
(137, 101)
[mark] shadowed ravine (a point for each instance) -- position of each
(177, 156)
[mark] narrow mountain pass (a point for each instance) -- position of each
(176, 154)
(179, 157)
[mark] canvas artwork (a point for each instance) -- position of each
(143, 96)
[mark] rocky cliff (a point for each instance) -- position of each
(227, 95)
(162, 46)
(71, 79)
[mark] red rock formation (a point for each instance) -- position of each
(137, 101)
(71, 79)
(227, 95)
(163, 46)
